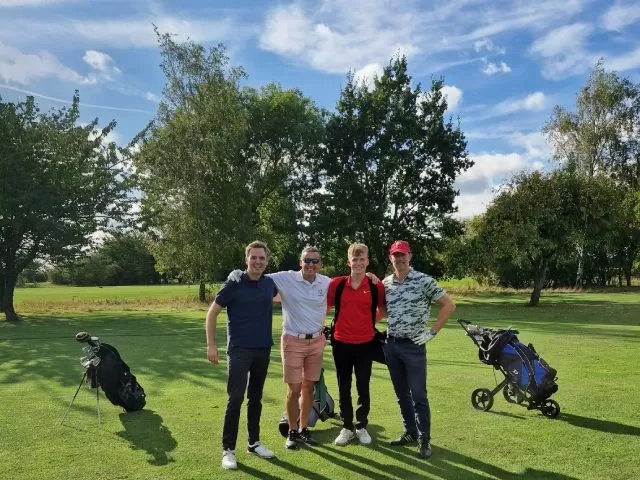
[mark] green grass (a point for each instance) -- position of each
(592, 339)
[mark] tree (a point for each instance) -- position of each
(600, 137)
(129, 253)
(221, 164)
(389, 166)
(533, 222)
(59, 182)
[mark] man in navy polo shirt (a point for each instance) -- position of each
(249, 340)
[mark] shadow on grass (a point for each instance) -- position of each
(448, 464)
(144, 431)
(160, 345)
(599, 425)
(296, 469)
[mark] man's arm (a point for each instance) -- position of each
(210, 327)
(446, 309)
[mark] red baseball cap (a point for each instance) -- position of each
(399, 246)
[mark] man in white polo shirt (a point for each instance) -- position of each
(304, 306)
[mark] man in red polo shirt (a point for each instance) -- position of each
(353, 342)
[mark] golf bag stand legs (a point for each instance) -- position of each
(84, 376)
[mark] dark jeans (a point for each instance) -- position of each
(350, 358)
(407, 364)
(247, 369)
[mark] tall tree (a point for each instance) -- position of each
(59, 182)
(389, 166)
(222, 164)
(600, 136)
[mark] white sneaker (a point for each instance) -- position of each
(229, 461)
(260, 450)
(363, 436)
(345, 437)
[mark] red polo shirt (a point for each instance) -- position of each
(354, 323)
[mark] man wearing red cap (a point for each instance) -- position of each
(409, 295)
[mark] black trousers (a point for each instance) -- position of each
(247, 370)
(353, 358)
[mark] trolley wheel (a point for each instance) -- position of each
(512, 394)
(481, 399)
(550, 408)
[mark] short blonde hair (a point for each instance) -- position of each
(356, 249)
(256, 244)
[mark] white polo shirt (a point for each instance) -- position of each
(304, 304)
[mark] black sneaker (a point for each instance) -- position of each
(424, 448)
(290, 442)
(305, 436)
(405, 439)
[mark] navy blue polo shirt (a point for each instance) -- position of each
(249, 311)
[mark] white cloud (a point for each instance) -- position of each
(620, 16)
(100, 61)
(453, 95)
(152, 97)
(533, 102)
(367, 73)
(487, 44)
(563, 51)
(29, 3)
(492, 68)
(23, 68)
(490, 165)
(626, 61)
(122, 33)
(489, 171)
(335, 36)
(82, 104)
(470, 205)
(534, 143)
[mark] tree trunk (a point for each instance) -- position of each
(539, 282)
(6, 298)
(580, 272)
(201, 292)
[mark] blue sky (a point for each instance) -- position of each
(506, 64)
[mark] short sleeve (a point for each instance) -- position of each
(225, 294)
(432, 291)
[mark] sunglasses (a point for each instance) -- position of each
(314, 261)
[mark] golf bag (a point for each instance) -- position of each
(323, 407)
(528, 379)
(106, 369)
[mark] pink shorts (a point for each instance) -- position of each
(301, 359)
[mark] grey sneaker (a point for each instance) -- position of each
(229, 461)
(260, 450)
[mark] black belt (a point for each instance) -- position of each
(391, 338)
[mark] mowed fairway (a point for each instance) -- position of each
(592, 339)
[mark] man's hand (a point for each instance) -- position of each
(235, 276)
(373, 278)
(423, 338)
(212, 354)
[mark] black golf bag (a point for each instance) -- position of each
(106, 369)
(323, 407)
